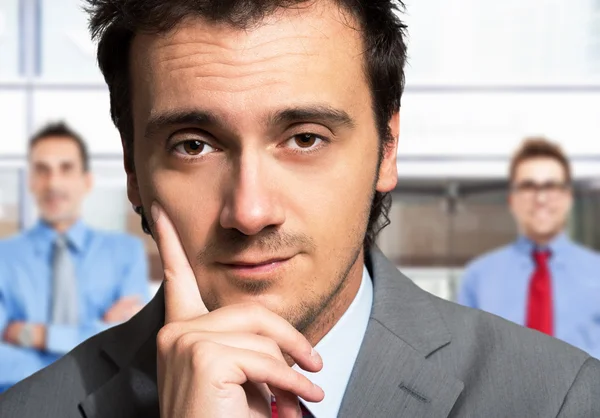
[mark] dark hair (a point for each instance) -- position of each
(539, 147)
(114, 23)
(61, 129)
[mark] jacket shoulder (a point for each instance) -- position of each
(57, 390)
(491, 355)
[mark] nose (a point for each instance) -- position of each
(252, 200)
(541, 196)
(53, 179)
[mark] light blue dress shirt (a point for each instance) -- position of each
(498, 282)
(108, 266)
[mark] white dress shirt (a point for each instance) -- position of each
(339, 349)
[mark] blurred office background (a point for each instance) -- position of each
(482, 75)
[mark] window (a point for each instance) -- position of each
(10, 182)
(9, 40)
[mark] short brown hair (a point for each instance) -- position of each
(114, 23)
(61, 129)
(539, 147)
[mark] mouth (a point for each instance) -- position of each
(255, 268)
(55, 199)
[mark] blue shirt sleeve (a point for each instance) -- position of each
(60, 339)
(467, 294)
(16, 363)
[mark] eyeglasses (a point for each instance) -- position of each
(531, 189)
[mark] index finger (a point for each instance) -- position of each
(182, 296)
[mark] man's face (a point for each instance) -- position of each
(261, 146)
(541, 198)
(57, 179)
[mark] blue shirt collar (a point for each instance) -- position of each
(557, 246)
(44, 235)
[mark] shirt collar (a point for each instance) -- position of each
(556, 246)
(348, 332)
(44, 235)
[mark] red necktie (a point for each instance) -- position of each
(539, 303)
(275, 414)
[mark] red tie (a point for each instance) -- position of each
(275, 414)
(539, 305)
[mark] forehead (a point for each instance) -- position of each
(540, 169)
(301, 55)
(55, 148)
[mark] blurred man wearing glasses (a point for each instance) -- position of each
(543, 280)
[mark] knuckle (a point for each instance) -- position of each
(202, 355)
(300, 342)
(253, 309)
(184, 343)
(169, 274)
(166, 336)
(273, 348)
(296, 380)
(273, 362)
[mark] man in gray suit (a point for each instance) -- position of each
(260, 142)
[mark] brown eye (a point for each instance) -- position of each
(305, 140)
(193, 147)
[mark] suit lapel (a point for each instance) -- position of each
(132, 391)
(392, 379)
(392, 376)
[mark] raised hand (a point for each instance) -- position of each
(228, 362)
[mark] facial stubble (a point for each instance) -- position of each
(312, 312)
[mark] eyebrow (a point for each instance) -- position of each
(313, 113)
(179, 117)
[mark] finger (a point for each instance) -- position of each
(287, 404)
(126, 306)
(129, 300)
(245, 341)
(259, 398)
(256, 319)
(130, 313)
(263, 368)
(135, 309)
(182, 297)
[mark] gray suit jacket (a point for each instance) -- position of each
(422, 357)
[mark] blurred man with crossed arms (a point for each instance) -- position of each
(61, 281)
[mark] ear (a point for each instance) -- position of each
(570, 198)
(89, 181)
(509, 201)
(133, 190)
(388, 171)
